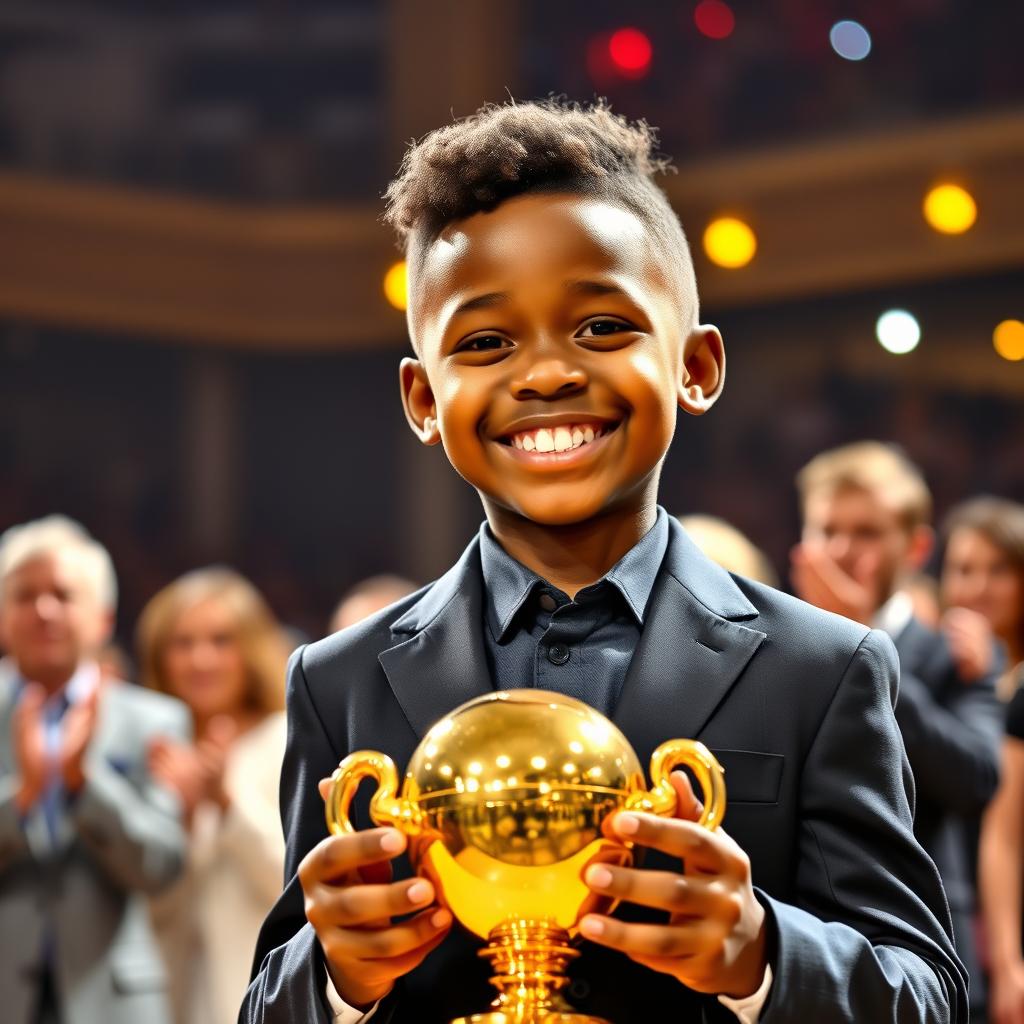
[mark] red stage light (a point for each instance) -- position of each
(714, 19)
(630, 51)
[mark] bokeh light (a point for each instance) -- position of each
(898, 331)
(850, 39)
(714, 19)
(1008, 339)
(730, 242)
(950, 209)
(630, 51)
(396, 288)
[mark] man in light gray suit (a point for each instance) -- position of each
(84, 831)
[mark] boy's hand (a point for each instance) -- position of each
(350, 902)
(714, 941)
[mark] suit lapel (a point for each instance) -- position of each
(691, 651)
(439, 661)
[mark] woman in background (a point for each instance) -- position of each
(210, 640)
(983, 578)
(983, 575)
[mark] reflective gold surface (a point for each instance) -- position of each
(506, 801)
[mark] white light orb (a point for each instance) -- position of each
(898, 331)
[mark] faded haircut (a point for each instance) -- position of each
(550, 146)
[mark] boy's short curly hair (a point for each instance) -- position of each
(506, 150)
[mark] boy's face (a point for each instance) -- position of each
(554, 353)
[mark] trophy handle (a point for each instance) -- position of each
(385, 807)
(672, 754)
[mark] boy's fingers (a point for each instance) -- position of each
(334, 857)
(396, 940)
(679, 941)
(399, 966)
(688, 807)
(349, 906)
(700, 848)
(661, 890)
(324, 785)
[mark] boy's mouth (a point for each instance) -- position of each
(562, 438)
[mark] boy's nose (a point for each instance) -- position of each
(549, 378)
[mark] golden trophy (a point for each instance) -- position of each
(506, 803)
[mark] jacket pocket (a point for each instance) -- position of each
(751, 777)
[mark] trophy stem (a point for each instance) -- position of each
(529, 959)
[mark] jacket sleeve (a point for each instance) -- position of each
(133, 832)
(952, 739)
(14, 845)
(868, 937)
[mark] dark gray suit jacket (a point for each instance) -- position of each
(119, 839)
(796, 703)
(951, 731)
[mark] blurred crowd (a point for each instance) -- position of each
(140, 836)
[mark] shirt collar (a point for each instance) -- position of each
(894, 616)
(508, 583)
(76, 689)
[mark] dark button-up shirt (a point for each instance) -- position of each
(536, 635)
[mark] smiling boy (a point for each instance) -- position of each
(553, 314)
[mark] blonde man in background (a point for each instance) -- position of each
(211, 641)
(866, 530)
(85, 827)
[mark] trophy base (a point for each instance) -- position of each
(500, 1017)
(529, 960)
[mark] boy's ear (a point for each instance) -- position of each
(418, 401)
(703, 373)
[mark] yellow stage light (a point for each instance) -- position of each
(396, 288)
(950, 209)
(1008, 338)
(730, 242)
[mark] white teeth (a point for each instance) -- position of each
(555, 439)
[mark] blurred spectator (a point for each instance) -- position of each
(1001, 868)
(724, 544)
(115, 665)
(367, 597)
(924, 596)
(983, 575)
(84, 830)
(210, 640)
(866, 511)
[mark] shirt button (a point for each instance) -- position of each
(558, 654)
(547, 602)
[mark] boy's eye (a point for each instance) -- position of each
(484, 343)
(604, 328)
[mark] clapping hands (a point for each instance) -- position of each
(195, 771)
